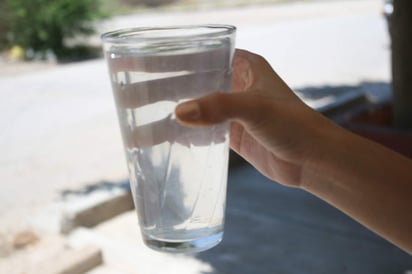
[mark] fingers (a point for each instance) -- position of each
(242, 78)
(219, 107)
(252, 71)
(138, 93)
(247, 68)
(168, 130)
(143, 79)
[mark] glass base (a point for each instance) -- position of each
(192, 246)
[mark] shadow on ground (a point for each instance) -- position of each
(93, 187)
(274, 229)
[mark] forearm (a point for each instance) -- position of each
(368, 182)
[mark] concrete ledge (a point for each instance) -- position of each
(104, 269)
(72, 261)
(95, 208)
(52, 255)
(124, 250)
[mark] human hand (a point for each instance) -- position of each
(270, 126)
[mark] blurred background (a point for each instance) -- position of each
(65, 203)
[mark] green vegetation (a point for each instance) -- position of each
(4, 25)
(41, 26)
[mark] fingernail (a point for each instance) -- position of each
(188, 111)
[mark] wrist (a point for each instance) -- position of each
(328, 151)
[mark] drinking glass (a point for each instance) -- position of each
(177, 174)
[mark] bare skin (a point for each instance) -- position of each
(296, 146)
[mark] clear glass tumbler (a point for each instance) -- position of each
(177, 174)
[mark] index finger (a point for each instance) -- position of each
(250, 71)
(253, 72)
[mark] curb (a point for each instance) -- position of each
(51, 254)
(95, 208)
(70, 261)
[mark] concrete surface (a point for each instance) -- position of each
(95, 207)
(269, 229)
(51, 255)
(60, 135)
(274, 229)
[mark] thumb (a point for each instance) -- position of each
(245, 107)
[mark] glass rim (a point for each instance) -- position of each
(136, 34)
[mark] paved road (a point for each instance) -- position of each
(308, 44)
(59, 129)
